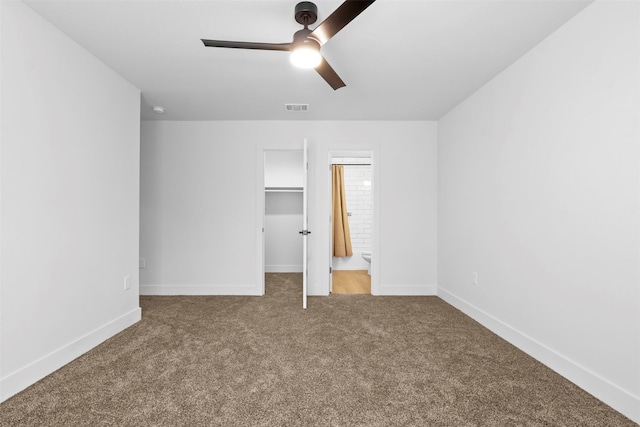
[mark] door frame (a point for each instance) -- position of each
(260, 220)
(375, 195)
(305, 222)
(261, 212)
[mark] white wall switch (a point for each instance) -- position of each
(142, 263)
(474, 276)
(127, 283)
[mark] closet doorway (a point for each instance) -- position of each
(351, 226)
(285, 214)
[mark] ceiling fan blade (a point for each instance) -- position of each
(247, 45)
(339, 18)
(329, 74)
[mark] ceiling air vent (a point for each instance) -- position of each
(296, 107)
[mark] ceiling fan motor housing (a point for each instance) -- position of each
(301, 37)
(306, 13)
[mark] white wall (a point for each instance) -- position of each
(283, 211)
(283, 169)
(282, 223)
(538, 193)
(200, 201)
(69, 191)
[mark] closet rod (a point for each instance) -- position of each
(351, 164)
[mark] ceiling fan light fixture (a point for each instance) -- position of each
(306, 56)
(305, 48)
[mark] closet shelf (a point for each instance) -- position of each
(283, 189)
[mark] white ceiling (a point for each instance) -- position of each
(401, 60)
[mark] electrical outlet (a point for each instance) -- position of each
(142, 263)
(474, 277)
(127, 283)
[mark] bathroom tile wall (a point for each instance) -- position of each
(359, 202)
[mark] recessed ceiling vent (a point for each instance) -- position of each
(298, 108)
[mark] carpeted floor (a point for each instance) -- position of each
(348, 360)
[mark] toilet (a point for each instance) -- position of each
(367, 257)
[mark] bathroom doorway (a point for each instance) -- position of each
(351, 226)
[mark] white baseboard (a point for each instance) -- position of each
(283, 269)
(251, 289)
(619, 399)
(407, 290)
(18, 380)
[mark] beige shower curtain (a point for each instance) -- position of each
(341, 233)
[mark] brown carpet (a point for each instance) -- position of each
(348, 360)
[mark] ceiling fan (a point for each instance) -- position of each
(305, 47)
